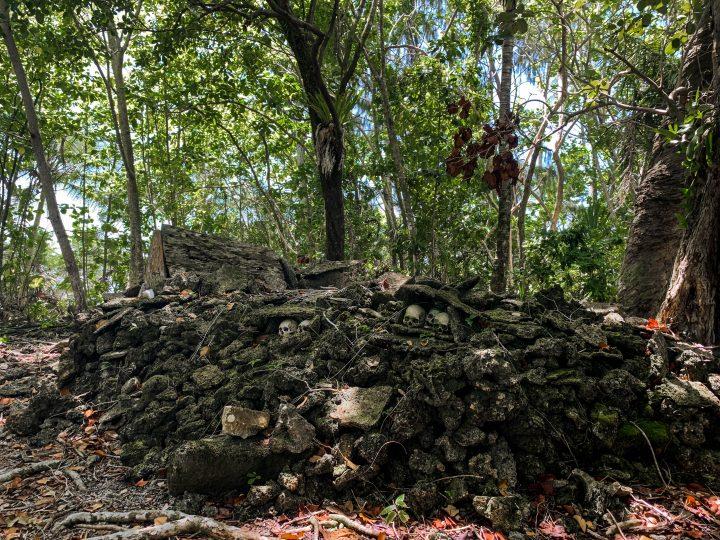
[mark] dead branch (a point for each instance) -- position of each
(28, 470)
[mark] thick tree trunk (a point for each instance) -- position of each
(43, 169)
(655, 233)
(126, 151)
(692, 302)
(505, 189)
(330, 153)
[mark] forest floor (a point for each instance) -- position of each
(87, 476)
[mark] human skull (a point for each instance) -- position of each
(430, 318)
(305, 325)
(414, 316)
(287, 327)
(441, 321)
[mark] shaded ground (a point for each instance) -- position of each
(32, 505)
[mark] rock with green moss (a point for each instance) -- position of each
(208, 377)
(220, 464)
(631, 434)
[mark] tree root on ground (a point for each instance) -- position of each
(350, 524)
(28, 470)
(178, 524)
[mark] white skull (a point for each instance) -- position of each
(432, 314)
(287, 327)
(441, 321)
(414, 316)
(305, 325)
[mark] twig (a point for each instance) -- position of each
(28, 470)
(357, 527)
(617, 527)
(657, 466)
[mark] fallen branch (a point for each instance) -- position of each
(178, 524)
(355, 526)
(28, 470)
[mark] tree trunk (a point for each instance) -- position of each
(505, 189)
(330, 154)
(43, 169)
(126, 152)
(655, 232)
(692, 302)
(394, 144)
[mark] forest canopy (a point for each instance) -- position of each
(513, 140)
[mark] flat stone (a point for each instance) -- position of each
(687, 394)
(613, 319)
(242, 422)
(114, 355)
(506, 513)
(360, 407)
(292, 432)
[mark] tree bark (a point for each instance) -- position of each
(126, 151)
(499, 279)
(693, 296)
(43, 169)
(394, 144)
(655, 232)
(330, 153)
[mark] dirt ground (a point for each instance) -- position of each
(88, 477)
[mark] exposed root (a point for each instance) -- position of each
(105, 527)
(118, 517)
(178, 524)
(28, 470)
(75, 477)
(315, 527)
(355, 526)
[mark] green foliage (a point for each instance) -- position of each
(397, 512)
(583, 258)
(222, 139)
